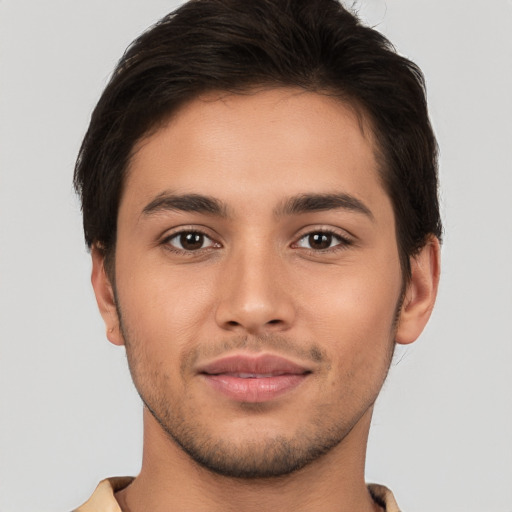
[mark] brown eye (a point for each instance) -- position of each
(321, 241)
(190, 241)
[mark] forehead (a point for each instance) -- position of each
(265, 143)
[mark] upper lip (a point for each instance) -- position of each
(266, 364)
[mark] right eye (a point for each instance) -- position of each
(323, 241)
(189, 241)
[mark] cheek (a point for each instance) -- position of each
(163, 310)
(355, 316)
(356, 328)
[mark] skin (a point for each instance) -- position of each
(258, 283)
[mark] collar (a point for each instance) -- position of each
(103, 499)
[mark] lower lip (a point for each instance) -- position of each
(254, 390)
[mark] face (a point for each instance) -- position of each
(257, 278)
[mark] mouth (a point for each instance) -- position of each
(250, 379)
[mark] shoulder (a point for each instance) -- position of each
(103, 499)
(383, 497)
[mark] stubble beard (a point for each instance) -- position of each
(261, 457)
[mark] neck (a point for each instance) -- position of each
(171, 480)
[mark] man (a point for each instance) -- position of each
(259, 191)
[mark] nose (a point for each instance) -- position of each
(254, 295)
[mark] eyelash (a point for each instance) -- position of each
(167, 242)
(343, 242)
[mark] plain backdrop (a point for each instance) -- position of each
(442, 430)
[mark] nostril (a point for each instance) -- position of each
(273, 322)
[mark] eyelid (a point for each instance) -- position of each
(178, 235)
(180, 230)
(343, 236)
(345, 239)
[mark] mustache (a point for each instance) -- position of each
(254, 344)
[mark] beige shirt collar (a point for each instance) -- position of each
(103, 499)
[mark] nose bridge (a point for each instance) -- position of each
(252, 295)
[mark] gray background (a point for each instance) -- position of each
(442, 434)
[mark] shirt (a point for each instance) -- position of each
(103, 499)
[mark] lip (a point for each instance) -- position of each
(253, 379)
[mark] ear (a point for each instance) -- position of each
(421, 292)
(105, 297)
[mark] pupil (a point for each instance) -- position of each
(320, 240)
(192, 241)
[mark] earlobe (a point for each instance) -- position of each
(421, 292)
(105, 297)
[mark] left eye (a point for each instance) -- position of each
(319, 241)
(190, 241)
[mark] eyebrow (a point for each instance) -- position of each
(305, 203)
(185, 203)
(300, 204)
